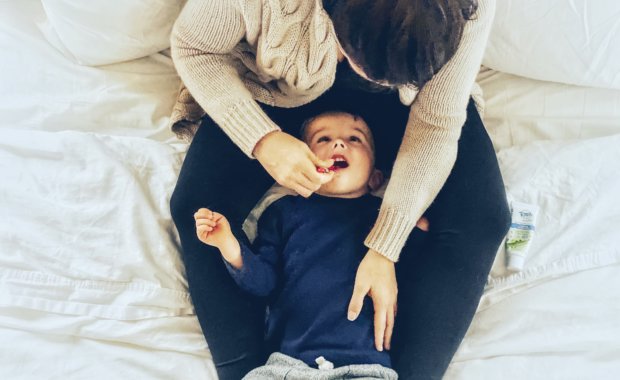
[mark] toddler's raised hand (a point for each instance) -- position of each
(213, 228)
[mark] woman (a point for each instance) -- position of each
(233, 55)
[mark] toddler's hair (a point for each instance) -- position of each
(306, 124)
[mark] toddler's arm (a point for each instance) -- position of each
(254, 270)
(213, 229)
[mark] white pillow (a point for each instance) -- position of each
(42, 89)
(521, 110)
(99, 32)
(574, 42)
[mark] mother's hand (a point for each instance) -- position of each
(291, 163)
(376, 277)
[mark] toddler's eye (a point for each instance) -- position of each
(355, 138)
(321, 139)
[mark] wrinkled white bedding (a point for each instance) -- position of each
(91, 281)
(90, 264)
(557, 318)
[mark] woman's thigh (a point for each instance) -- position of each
(442, 273)
(217, 175)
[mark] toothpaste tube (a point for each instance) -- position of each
(520, 234)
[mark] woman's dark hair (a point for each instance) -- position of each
(400, 41)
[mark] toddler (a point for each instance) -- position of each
(305, 258)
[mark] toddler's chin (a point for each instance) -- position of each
(336, 187)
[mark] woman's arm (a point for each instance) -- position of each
(428, 150)
(202, 39)
(424, 161)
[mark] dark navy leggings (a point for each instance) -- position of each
(441, 273)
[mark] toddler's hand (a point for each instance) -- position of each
(213, 228)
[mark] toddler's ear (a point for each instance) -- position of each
(376, 180)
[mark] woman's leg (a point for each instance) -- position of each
(217, 175)
(441, 277)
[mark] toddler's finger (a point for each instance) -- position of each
(206, 222)
(202, 212)
(202, 235)
(205, 228)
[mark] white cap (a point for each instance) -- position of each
(515, 263)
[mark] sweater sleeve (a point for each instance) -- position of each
(428, 151)
(202, 40)
(262, 261)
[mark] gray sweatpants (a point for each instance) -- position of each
(280, 367)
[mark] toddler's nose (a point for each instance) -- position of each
(339, 144)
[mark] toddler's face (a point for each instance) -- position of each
(347, 140)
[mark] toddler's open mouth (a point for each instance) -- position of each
(339, 162)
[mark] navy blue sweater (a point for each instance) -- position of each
(304, 259)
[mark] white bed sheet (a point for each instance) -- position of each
(558, 317)
(565, 328)
(90, 271)
(91, 282)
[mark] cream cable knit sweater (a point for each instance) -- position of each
(232, 53)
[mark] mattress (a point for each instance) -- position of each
(91, 280)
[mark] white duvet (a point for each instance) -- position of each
(91, 281)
